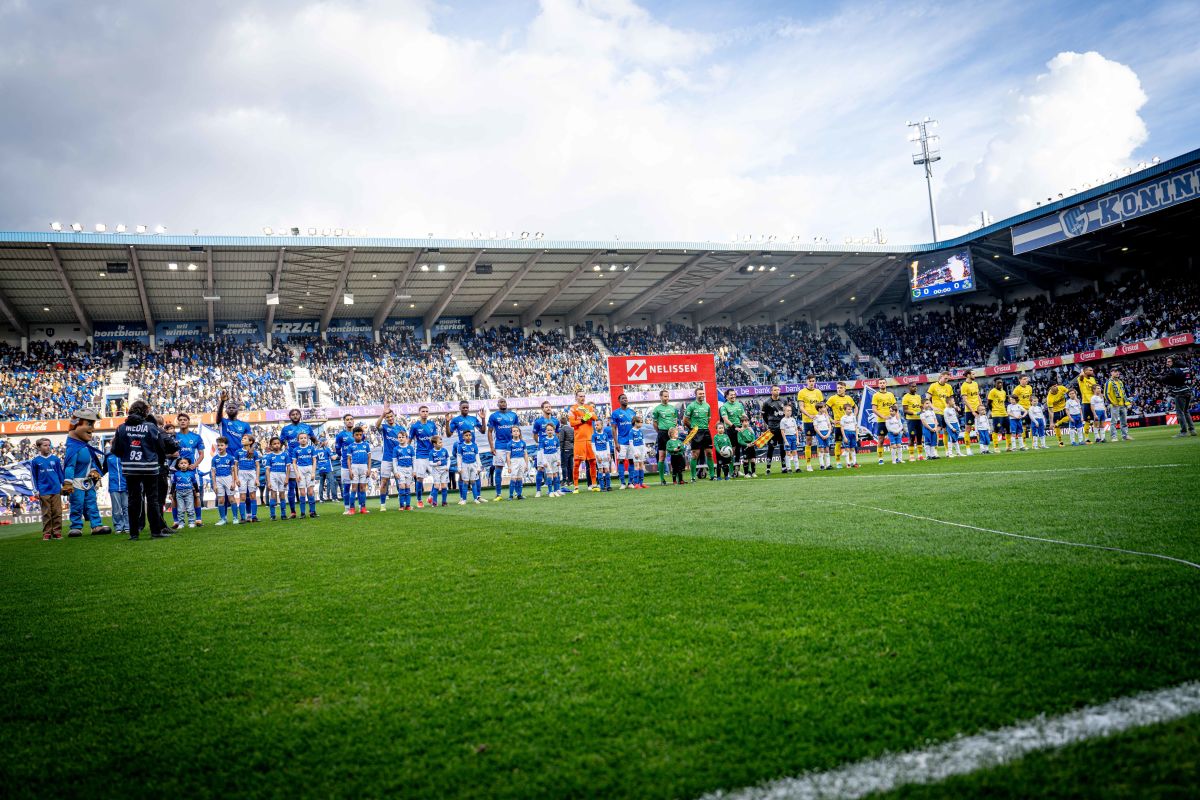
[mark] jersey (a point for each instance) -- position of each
(998, 398)
(360, 452)
(1024, 395)
(234, 430)
(951, 417)
(734, 411)
(840, 405)
(1074, 407)
(191, 446)
(390, 432)
(439, 457)
(912, 403)
(222, 465)
(983, 423)
(516, 448)
(788, 426)
(1087, 387)
(466, 452)
(324, 460)
(664, 416)
(247, 462)
(305, 456)
(675, 447)
(277, 462)
(929, 419)
(808, 402)
(939, 393)
(746, 436)
(341, 445)
(969, 390)
(637, 437)
(290, 435)
(1098, 406)
(540, 424)
(883, 403)
(822, 424)
(1016, 411)
(1037, 412)
(421, 435)
(698, 414)
(1056, 398)
(848, 423)
(502, 423)
(622, 420)
(404, 455)
(184, 478)
(465, 423)
(895, 425)
(602, 441)
(548, 444)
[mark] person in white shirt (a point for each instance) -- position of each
(1016, 413)
(929, 429)
(791, 440)
(849, 427)
(823, 426)
(953, 430)
(895, 429)
(983, 429)
(1075, 415)
(1100, 412)
(1037, 421)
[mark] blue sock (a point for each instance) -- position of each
(462, 490)
(292, 495)
(254, 507)
(498, 476)
(241, 511)
(621, 472)
(271, 502)
(445, 494)
(540, 480)
(312, 505)
(383, 496)
(347, 498)
(476, 486)
(420, 491)
(175, 512)
(223, 508)
(521, 489)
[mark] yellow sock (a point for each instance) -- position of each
(808, 452)
(837, 449)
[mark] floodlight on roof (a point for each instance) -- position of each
(160, 229)
(441, 267)
(312, 231)
(76, 227)
(172, 266)
(268, 230)
(121, 227)
(272, 299)
(192, 267)
(595, 267)
(211, 298)
(56, 226)
(337, 231)
(324, 231)
(539, 235)
(101, 227)
(612, 267)
(771, 269)
(424, 268)
(139, 228)
(347, 299)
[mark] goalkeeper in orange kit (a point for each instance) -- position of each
(582, 418)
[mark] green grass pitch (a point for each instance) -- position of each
(649, 644)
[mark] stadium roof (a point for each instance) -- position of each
(84, 278)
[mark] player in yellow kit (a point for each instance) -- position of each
(969, 391)
(1087, 387)
(839, 404)
(808, 397)
(938, 393)
(998, 401)
(882, 403)
(1023, 394)
(1056, 403)
(912, 403)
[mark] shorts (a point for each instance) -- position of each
(809, 430)
(999, 424)
(968, 417)
(881, 431)
(404, 476)
(1101, 417)
(305, 478)
(518, 468)
(1087, 412)
(625, 451)
(387, 467)
(1058, 418)
(849, 441)
(420, 468)
(941, 419)
(440, 473)
(223, 486)
(896, 439)
(277, 481)
(639, 453)
(930, 437)
(359, 472)
(791, 442)
(953, 433)
(550, 463)
(1016, 426)
(469, 472)
(914, 430)
(1039, 427)
(499, 455)
(604, 458)
(985, 437)
(702, 440)
(247, 482)
(822, 440)
(663, 438)
(1077, 422)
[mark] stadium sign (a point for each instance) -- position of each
(287, 328)
(689, 368)
(171, 331)
(349, 327)
(241, 331)
(121, 332)
(396, 324)
(452, 325)
(1121, 206)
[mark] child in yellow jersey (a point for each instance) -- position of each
(809, 397)
(840, 404)
(882, 403)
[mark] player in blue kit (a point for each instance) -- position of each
(499, 430)
(224, 478)
(637, 443)
(304, 468)
(290, 436)
(539, 429)
(278, 464)
(549, 463)
(359, 453)
(232, 428)
(191, 447)
(439, 469)
(421, 434)
(405, 456)
(455, 427)
(603, 444)
(247, 488)
(518, 464)
(341, 451)
(467, 454)
(389, 431)
(622, 432)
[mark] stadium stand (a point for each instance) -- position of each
(397, 370)
(539, 363)
(931, 341)
(51, 380)
(189, 376)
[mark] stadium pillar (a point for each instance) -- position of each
(776, 327)
(24, 343)
(428, 337)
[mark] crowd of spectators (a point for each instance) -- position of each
(51, 380)
(540, 363)
(676, 339)
(1166, 309)
(930, 341)
(189, 376)
(794, 353)
(400, 369)
(1075, 322)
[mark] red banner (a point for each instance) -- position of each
(635, 372)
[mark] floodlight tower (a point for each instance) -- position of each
(929, 151)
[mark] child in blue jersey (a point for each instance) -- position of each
(247, 488)
(304, 461)
(341, 450)
(279, 464)
(183, 481)
(191, 447)
(360, 468)
(549, 461)
(622, 435)
(469, 468)
(224, 480)
(603, 444)
(518, 464)
(118, 494)
(439, 468)
(637, 441)
(405, 456)
(539, 430)
(46, 470)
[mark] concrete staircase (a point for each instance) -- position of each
(604, 351)
(856, 353)
(468, 374)
(1113, 334)
(1018, 330)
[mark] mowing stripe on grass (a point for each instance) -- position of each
(1014, 471)
(1017, 535)
(987, 750)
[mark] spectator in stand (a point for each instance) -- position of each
(538, 364)
(397, 370)
(932, 341)
(52, 379)
(185, 376)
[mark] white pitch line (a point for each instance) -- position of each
(1017, 535)
(967, 754)
(862, 477)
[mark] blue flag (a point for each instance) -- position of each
(866, 410)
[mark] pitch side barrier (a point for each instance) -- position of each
(280, 416)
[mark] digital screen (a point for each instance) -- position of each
(940, 274)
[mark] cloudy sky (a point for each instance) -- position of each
(661, 119)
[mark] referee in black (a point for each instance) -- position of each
(772, 411)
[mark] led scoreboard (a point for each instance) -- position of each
(940, 274)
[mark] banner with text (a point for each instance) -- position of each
(121, 332)
(171, 331)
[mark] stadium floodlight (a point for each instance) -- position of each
(101, 227)
(312, 231)
(56, 226)
(928, 152)
(404, 297)
(211, 298)
(612, 267)
(424, 268)
(160, 229)
(45, 308)
(121, 227)
(268, 230)
(172, 266)
(539, 235)
(179, 308)
(192, 267)
(441, 267)
(347, 299)
(76, 227)
(300, 307)
(524, 234)
(139, 228)
(337, 231)
(595, 267)
(772, 269)
(272, 299)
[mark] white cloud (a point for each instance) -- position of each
(1073, 124)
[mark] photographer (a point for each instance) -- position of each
(1177, 383)
(138, 444)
